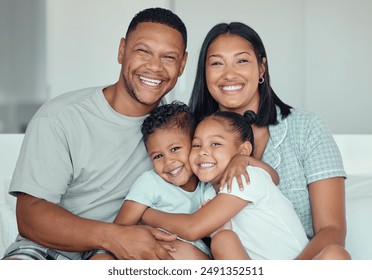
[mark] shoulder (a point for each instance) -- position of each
(149, 176)
(258, 174)
(67, 100)
(302, 124)
(146, 182)
(302, 118)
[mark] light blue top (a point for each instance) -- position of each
(302, 150)
(153, 191)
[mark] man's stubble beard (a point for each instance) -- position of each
(130, 90)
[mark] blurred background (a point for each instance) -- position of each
(318, 51)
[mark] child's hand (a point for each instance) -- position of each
(236, 168)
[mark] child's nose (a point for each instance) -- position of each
(203, 152)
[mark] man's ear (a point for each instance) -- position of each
(121, 50)
(246, 148)
(183, 63)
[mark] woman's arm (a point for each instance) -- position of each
(238, 166)
(327, 199)
(201, 223)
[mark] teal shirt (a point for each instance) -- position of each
(302, 150)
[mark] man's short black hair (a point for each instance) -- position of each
(162, 16)
(173, 115)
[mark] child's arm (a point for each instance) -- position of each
(130, 213)
(201, 223)
(238, 167)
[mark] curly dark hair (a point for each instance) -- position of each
(173, 115)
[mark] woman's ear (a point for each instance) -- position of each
(262, 67)
(246, 148)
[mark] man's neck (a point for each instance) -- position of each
(124, 104)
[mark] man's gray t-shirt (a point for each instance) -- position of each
(81, 154)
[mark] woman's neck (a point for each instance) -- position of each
(261, 137)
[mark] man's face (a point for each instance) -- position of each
(152, 59)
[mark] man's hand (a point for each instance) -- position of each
(140, 243)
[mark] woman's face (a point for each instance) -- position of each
(232, 73)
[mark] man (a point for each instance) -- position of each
(83, 150)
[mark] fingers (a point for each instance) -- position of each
(223, 181)
(168, 247)
(164, 250)
(163, 254)
(163, 236)
(240, 182)
(227, 180)
(246, 176)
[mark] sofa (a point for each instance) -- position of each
(356, 151)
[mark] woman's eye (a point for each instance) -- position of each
(216, 144)
(216, 63)
(196, 146)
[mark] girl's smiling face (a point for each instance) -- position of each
(213, 147)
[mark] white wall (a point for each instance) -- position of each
(338, 72)
(83, 40)
(318, 51)
(22, 61)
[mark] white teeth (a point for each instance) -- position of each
(150, 82)
(233, 87)
(206, 165)
(175, 171)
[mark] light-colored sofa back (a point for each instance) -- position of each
(356, 151)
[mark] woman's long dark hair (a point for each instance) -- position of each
(202, 103)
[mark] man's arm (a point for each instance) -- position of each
(129, 214)
(54, 227)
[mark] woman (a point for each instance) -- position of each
(233, 75)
